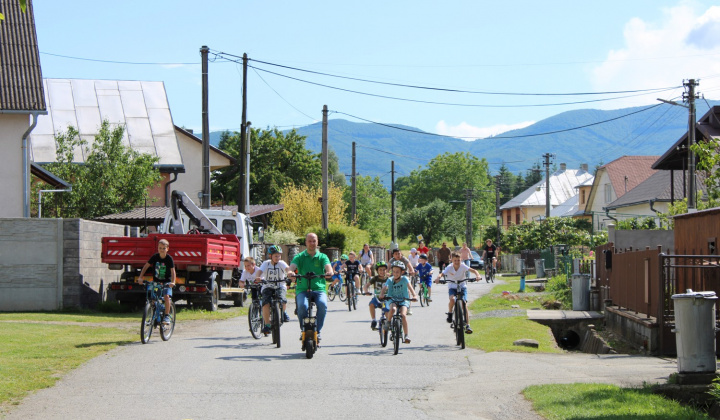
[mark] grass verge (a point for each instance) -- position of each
(35, 356)
(601, 401)
(87, 316)
(498, 334)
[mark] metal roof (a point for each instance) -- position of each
(562, 188)
(655, 188)
(21, 87)
(566, 209)
(156, 214)
(141, 107)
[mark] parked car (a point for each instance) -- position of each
(476, 262)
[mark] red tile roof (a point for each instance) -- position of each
(636, 168)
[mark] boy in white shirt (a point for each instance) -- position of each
(456, 271)
(274, 271)
(250, 275)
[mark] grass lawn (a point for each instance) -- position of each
(601, 401)
(183, 314)
(35, 356)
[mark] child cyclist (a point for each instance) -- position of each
(163, 272)
(251, 274)
(424, 270)
(352, 268)
(377, 282)
(273, 270)
(399, 287)
(337, 267)
(456, 271)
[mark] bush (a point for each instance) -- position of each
(282, 237)
(637, 223)
(560, 290)
(346, 238)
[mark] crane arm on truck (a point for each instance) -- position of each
(180, 201)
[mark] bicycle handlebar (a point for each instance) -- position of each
(470, 280)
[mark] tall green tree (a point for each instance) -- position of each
(533, 176)
(277, 160)
(434, 221)
(372, 206)
(113, 179)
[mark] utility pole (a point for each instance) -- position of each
(353, 219)
(325, 168)
(248, 142)
(205, 201)
(392, 203)
(468, 216)
(498, 216)
(243, 139)
(547, 162)
(690, 84)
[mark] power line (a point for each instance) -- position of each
(281, 97)
(119, 62)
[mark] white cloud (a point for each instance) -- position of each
(683, 45)
(466, 130)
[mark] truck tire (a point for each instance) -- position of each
(212, 306)
(239, 299)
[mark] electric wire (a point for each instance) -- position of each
(119, 62)
(281, 97)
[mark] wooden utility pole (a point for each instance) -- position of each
(547, 157)
(392, 204)
(243, 139)
(354, 188)
(205, 200)
(248, 142)
(690, 84)
(324, 168)
(468, 216)
(498, 216)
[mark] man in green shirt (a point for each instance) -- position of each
(311, 260)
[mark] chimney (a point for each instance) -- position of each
(584, 167)
(563, 167)
(189, 130)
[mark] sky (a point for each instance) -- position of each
(500, 47)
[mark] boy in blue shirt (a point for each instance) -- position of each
(424, 270)
(337, 267)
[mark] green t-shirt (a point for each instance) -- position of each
(306, 264)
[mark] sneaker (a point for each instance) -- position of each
(429, 299)
(267, 329)
(286, 317)
(449, 317)
(407, 340)
(319, 338)
(468, 330)
(167, 319)
(373, 325)
(409, 311)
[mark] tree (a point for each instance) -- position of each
(543, 234)
(372, 206)
(508, 184)
(277, 161)
(336, 177)
(708, 156)
(434, 221)
(533, 176)
(302, 209)
(114, 178)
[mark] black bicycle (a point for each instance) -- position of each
(351, 292)
(336, 290)
(458, 315)
(276, 302)
(309, 336)
(489, 272)
(255, 319)
(396, 327)
(154, 313)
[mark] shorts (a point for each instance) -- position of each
(167, 291)
(337, 277)
(405, 303)
(454, 292)
(427, 281)
(378, 304)
(268, 292)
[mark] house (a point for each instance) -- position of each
(530, 204)
(611, 182)
(22, 101)
(142, 108)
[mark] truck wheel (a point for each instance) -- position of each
(212, 306)
(239, 299)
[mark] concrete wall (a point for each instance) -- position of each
(640, 332)
(640, 239)
(49, 264)
(11, 158)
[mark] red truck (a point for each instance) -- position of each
(207, 262)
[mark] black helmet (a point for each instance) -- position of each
(399, 264)
(423, 256)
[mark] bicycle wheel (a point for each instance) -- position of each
(166, 330)
(255, 319)
(341, 292)
(383, 332)
(148, 321)
(457, 324)
(461, 330)
(276, 323)
(397, 332)
(331, 292)
(355, 298)
(350, 285)
(426, 295)
(422, 296)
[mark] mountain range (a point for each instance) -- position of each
(580, 136)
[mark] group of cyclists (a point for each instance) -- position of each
(390, 279)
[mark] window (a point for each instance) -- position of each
(582, 197)
(608, 193)
(229, 227)
(509, 219)
(517, 218)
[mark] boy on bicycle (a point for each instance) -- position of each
(163, 271)
(398, 287)
(250, 275)
(337, 267)
(456, 271)
(273, 270)
(377, 282)
(352, 268)
(490, 251)
(424, 270)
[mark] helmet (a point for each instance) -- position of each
(413, 250)
(274, 249)
(399, 264)
(380, 264)
(344, 257)
(423, 256)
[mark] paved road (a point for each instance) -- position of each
(218, 371)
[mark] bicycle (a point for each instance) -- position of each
(414, 281)
(351, 292)
(382, 328)
(276, 318)
(309, 334)
(396, 327)
(255, 319)
(489, 272)
(458, 315)
(337, 290)
(363, 277)
(154, 313)
(423, 295)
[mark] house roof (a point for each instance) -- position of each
(675, 158)
(21, 88)
(655, 188)
(141, 107)
(47, 176)
(566, 209)
(192, 135)
(156, 214)
(562, 188)
(630, 169)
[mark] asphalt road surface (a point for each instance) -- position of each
(216, 370)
